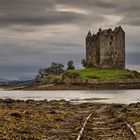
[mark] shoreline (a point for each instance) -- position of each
(83, 86)
(71, 84)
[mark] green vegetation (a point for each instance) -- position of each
(50, 75)
(70, 65)
(106, 74)
(56, 74)
(83, 62)
(52, 79)
(54, 69)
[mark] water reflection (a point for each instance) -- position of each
(104, 96)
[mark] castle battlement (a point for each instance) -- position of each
(106, 48)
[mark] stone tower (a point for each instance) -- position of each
(106, 49)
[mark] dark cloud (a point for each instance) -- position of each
(50, 18)
(43, 12)
(33, 33)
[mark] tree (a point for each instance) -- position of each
(41, 72)
(70, 65)
(83, 62)
(54, 69)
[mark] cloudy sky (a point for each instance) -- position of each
(33, 33)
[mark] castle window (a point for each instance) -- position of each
(110, 43)
(111, 38)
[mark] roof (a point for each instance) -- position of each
(89, 34)
(118, 29)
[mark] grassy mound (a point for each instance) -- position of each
(109, 74)
(84, 75)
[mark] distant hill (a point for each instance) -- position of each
(26, 82)
(3, 80)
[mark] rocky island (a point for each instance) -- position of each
(104, 67)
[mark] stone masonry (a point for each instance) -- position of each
(106, 49)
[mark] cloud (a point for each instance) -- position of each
(48, 18)
(33, 33)
(43, 12)
(127, 20)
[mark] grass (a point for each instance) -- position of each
(49, 80)
(108, 74)
(111, 73)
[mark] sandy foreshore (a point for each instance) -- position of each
(62, 120)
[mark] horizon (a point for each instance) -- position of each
(47, 31)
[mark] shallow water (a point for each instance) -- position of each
(104, 96)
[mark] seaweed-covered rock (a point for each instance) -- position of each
(16, 114)
(8, 100)
(30, 101)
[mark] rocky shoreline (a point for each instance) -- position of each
(49, 120)
(109, 85)
(86, 86)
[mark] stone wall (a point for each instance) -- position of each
(120, 47)
(106, 49)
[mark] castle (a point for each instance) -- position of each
(106, 49)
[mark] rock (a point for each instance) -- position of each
(19, 101)
(59, 119)
(137, 127)
(138, 105)
(45, 101)
(30, 101)
(53, 102)
(27, 113)
(16, 114)
(62, 100)
(53, 112)
(44, 138)
(8, 100)
(1, 100)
